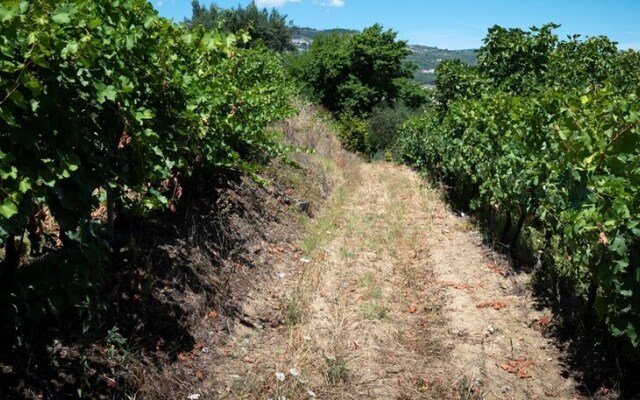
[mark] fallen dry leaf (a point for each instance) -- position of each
(496, 268)
(496, 305)
(212, 314)
(413, 309)
(523, 373)
(186, 359)
(518, 367)
(277, 249)
(459, 286)
(249, 360)
(199, 375)
(544, 321)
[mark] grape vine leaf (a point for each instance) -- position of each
(8, 208)
(62, 14)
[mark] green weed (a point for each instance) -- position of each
(373, 311)
(336, 371)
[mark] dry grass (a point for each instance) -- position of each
(284, 373)
(357, 336)
(375, 309)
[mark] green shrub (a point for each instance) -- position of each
(383, 126)
(353, 133)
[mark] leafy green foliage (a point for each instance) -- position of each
(383, 124)
(353, 133)
(548, 131)
(514, 59)
(263, 26)
(98, 101)
(353, 73)
(456, 80)
(105, 98)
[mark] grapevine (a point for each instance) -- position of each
(546, 133)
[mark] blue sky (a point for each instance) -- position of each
(452, 24)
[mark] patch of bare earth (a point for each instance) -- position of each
(498, 348)
(389, 296)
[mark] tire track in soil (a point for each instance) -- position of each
(385, 305)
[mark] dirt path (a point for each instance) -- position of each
(391, 296)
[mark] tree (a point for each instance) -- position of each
(268, 27)
(208, 18)
(353, 73)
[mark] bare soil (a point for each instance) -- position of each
(390, 295)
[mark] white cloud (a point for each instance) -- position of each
(274, 3)
(270, 3)
(329, 3)
(161, 3)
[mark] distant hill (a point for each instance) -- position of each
(427, 58)
(310, 33)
